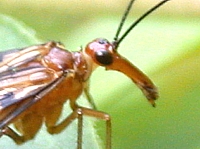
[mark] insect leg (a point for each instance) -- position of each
(89, 97)
(99, 115)
(78, 113)
(52, 128)
(80, 130)
(12, 134)
(26, 126)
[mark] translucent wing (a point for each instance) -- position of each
(23, 75)
(23, 83)
(10, 60)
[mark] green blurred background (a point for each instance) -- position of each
(166, 46)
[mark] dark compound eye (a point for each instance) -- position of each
(103, 41)
(104, 57)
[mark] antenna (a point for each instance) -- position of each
(123, 19)
(117, 40)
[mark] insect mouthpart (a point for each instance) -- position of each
(103, 53)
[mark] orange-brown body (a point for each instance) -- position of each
(48, 109)
(56, 75)
(55, 60)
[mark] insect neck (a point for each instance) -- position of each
(83, 65)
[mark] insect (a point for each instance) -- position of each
(36, 79)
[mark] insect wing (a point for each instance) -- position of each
(22, 76)
(11, 59)
(22, 84)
